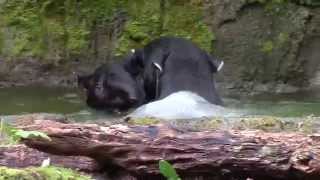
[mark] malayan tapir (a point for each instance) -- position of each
(162, 67)
(115, 87)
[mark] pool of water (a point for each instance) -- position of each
(283, 105)
(20, 100)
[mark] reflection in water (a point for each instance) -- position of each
(21, 100)
(18, 100)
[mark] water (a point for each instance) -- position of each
(21, 100)
(282, 105)
(183, 105)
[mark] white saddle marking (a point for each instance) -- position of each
(158, 66)
(220, 66)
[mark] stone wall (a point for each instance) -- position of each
(267, 46)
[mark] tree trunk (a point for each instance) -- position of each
(137, 149)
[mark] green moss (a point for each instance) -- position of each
(77, 38)
(308, 125)
(277, 43)
(209, 124)
(52, 29)
(267, 47)
(301, 2)
(52, 173)
(61, 29)
(282, 38)
(1, 41)
(184, 19)
(308, 2)
(267, 123)
(144, 121)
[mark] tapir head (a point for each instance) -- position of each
(112, 87)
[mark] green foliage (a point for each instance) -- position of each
(167, 170)
(52, 173)
(5, 134)
(77, 37)
(21, 134)
(267, 123)
(60, 29)
(283, 38)
(278, 42)
(52, 29)
(11, 135)
(181, 19)
(144, 121)
(308, 2)
(302, 2)
(267, 47)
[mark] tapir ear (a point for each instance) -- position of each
(216, 64)
(134, 62)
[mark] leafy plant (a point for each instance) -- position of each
(168, 171)
(13, 135)
(36, 173)
(19, 134)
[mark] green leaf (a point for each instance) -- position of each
(29, 134)
(167, 170)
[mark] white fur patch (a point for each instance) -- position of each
(158, 66)
(220, 66)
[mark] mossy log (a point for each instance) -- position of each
(41, 173)
(137, 149)
(20, 156)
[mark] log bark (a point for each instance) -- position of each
(137, 149)
(21, 156)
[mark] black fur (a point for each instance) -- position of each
(185, 67)
(134, 81)
(113, 87)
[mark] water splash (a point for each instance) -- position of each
(183, 105)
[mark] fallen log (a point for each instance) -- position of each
(21, 156)
(137, 149)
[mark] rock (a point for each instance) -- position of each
(286, 88)
(266, 42)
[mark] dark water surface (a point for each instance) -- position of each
(20, 100)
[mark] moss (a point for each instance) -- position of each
(277, 43)
(282, 38)
(300, 2)
(308, 2)
(1, 41)
(180, 19)
(77, 38)
(209, 124)
(61, 29)
(144, 121)
(52, 173)
(267, 123)
(308, 125)
(52, 29)
(267, 47)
